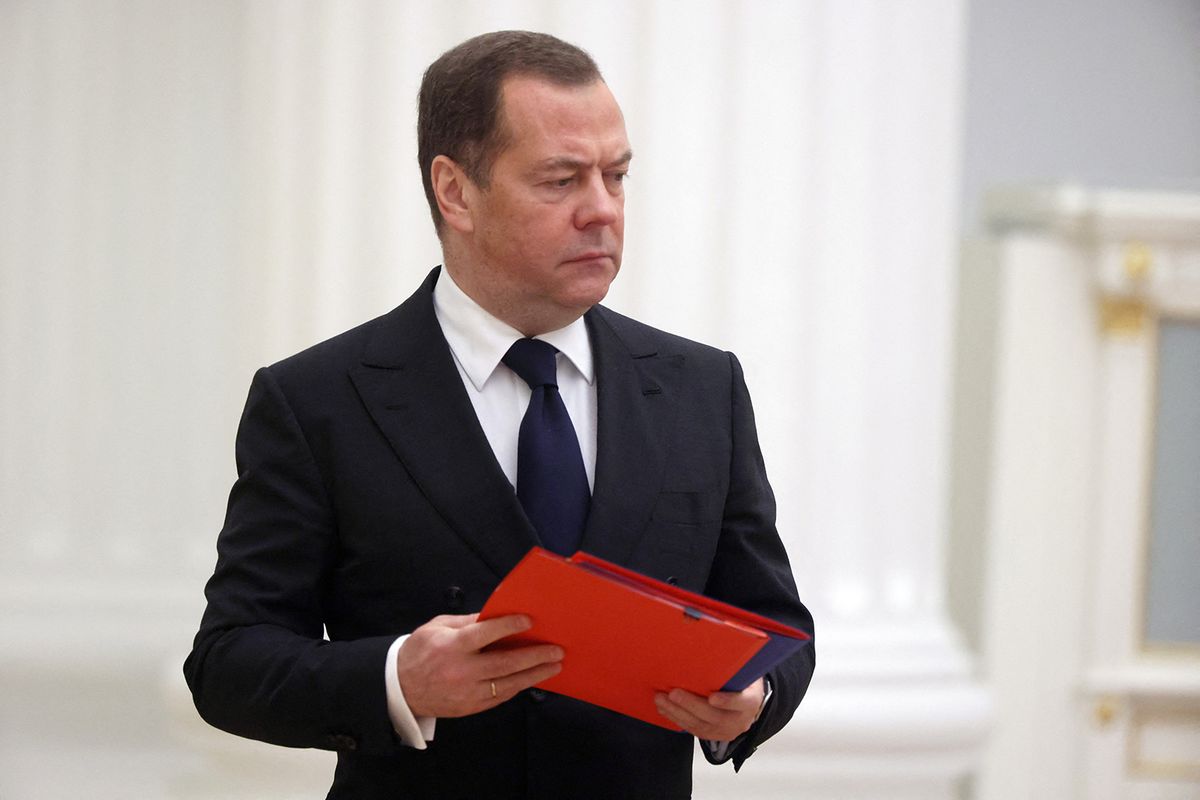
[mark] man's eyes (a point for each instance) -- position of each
(566, 182)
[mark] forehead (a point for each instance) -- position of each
(543, 119)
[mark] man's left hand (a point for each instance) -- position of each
(721, 717)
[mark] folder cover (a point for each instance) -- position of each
(627, 636)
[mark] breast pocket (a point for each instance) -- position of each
(682, 537)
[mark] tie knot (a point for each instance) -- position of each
(533, 360)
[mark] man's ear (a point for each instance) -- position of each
(454, 192)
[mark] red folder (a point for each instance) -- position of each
(627, 636)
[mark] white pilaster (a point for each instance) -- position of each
(1087, 708)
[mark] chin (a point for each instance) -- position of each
(587, 293)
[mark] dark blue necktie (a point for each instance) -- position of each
(551, 482)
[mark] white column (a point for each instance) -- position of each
(803, 158)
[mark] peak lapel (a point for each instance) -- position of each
(412, 389)
(636, 405)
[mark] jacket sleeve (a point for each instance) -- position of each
(751, 570)
(260, 666)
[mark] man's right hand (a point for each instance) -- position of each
(444, 673)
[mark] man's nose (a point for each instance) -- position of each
(599, 205)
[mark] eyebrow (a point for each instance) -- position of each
(569, 163)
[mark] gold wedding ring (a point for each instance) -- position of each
(493, 688)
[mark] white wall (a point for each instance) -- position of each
(1097, 92)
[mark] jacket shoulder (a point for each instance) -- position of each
(642, 339)
(388, 340)
(335, 353)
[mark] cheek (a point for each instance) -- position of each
(533, 239)
(548, 236)
(514, 238)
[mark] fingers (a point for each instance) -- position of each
(749, 699)
(510, 686)
(474, 635)
(479, 635)
(687, 710)
(721, 717)
(444, 673)
(502, 663)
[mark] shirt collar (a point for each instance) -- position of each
(479, 340)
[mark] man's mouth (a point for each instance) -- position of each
(591, 255)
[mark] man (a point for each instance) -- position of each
(376, 496)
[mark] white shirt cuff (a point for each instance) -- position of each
(716, 749)
(413, 731)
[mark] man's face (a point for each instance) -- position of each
(549, 228)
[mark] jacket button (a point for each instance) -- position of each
(673, 580)
(455, 597)
(537, 695)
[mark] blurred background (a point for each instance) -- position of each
(956, 244)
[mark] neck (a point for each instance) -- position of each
(530, 319)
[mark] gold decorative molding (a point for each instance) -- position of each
(1105, 711)
(1124, 315)
(1138, 261)
(1126, 311)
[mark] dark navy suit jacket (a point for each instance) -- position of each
(368, 501)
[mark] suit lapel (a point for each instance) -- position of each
(412, 389)
(637, 397)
